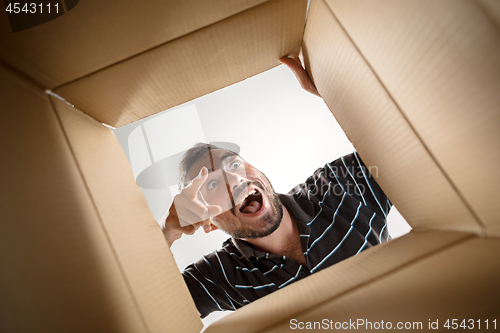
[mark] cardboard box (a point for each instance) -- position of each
(414, 85)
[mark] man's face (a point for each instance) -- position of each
(250, 207)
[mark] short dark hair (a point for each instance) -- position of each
(192, 155)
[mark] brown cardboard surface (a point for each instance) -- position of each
(96, 34)
(491, 9)
(59, 272)
(449, 284)
(440, 62)
(196, 64)
(379, 130)
(141, 249)
(79, 248)
(342, 279)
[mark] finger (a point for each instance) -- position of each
(194, 206)
(214, 210)
(206, 212)
(300, 73)
(296, 67)
(189, 218)
(207, 227)
(293, 63)
(195, 185)
(197, 226)
(184, 227)
(188, 230)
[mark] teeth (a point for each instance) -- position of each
(252, 192)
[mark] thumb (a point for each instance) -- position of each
(214, 210)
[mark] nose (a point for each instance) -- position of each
(236, 185)
(234, 179)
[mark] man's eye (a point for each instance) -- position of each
(235, 165)
(211, 184)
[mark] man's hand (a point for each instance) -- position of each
(300, 73)
(188, 211)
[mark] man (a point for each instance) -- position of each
(275, 239)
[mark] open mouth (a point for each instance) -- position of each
(252, 202)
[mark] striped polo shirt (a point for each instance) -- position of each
(340, 211)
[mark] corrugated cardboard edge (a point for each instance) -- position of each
(211, 58)
(380, 132)
(341, 280)
(139, 245)
(59, 271)
(96, 34)
(441, 70)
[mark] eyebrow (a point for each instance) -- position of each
(228, 154)
(222, 158)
